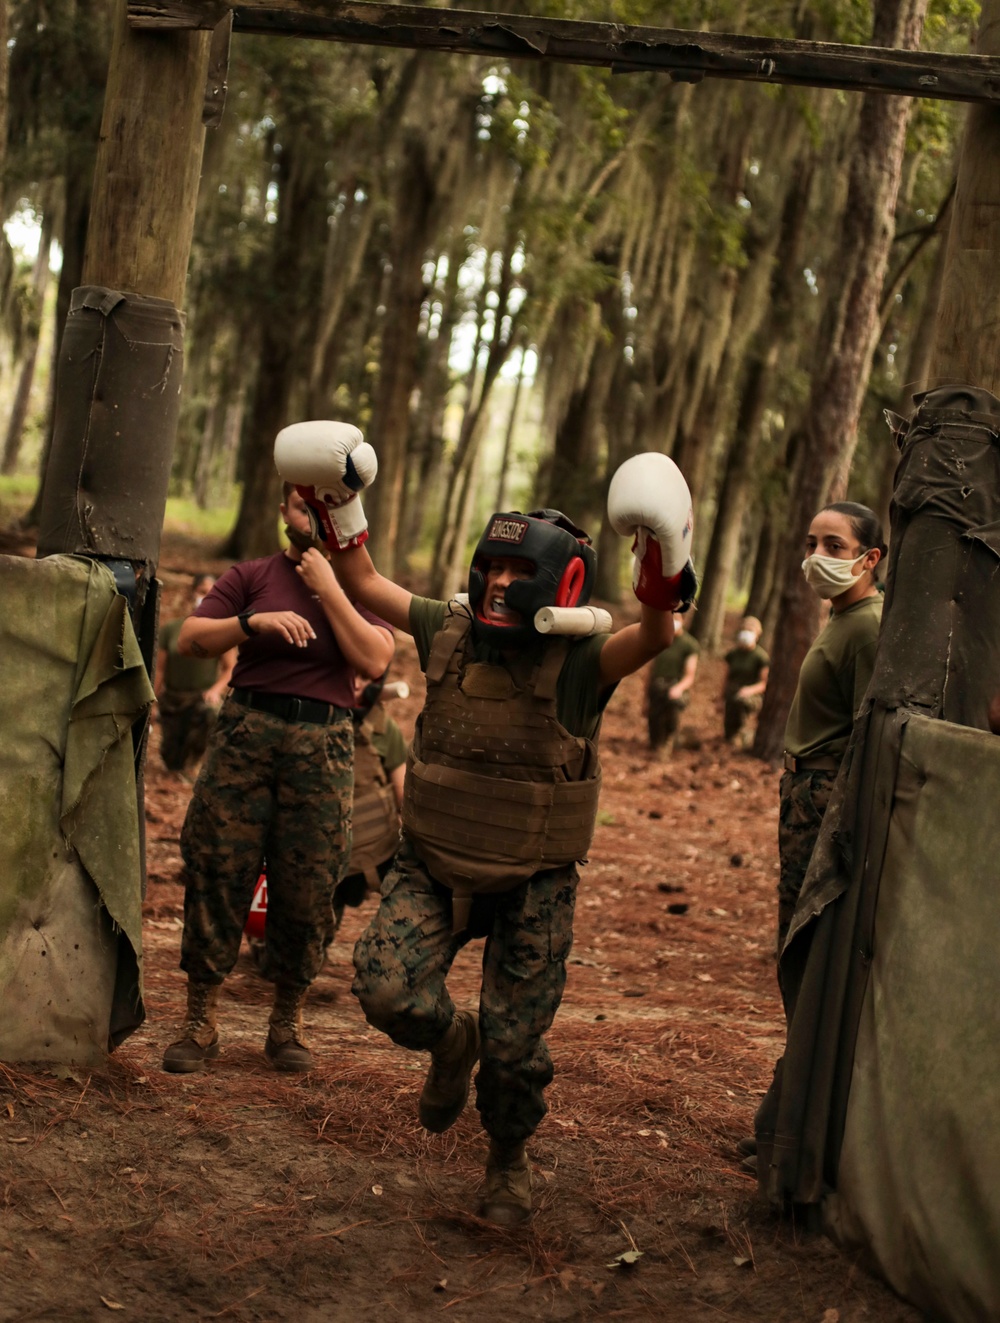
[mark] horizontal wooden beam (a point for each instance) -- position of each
(682, 55)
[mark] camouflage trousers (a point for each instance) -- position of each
(735, 712)
(273, 789)
(403, 958)
(802, 801)
(186, 722)
(664, 713)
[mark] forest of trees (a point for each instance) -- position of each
(512, 277)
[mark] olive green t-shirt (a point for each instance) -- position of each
(389, 745)
(745, 666)
(669, 664)
(580, 702)
(185, 675)
(832, 682)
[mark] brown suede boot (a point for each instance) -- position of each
(507, 1200)
(446, 1089)
(285, 1048)
(198, 1039)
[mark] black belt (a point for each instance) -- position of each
(793, 764)
(289, 708)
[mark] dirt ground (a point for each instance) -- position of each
(237, 1193)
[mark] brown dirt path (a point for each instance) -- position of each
(243, 1195)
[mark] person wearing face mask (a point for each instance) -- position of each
(277, 780)
(844, 546)
(747, 667)
(668, 692)
(189, 690)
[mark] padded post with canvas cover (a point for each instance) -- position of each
(937, 665)
(72, 683)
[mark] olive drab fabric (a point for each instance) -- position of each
(375, 818)
(890, 956)
(918, 1180)
(496, 789)
(72, 683)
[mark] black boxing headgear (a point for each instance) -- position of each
(564, 565)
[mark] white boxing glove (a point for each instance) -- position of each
(649, 500)
(329, 463)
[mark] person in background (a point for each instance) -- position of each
(669, 689)
(277, 781)
(844, 546)
(189, 690)
(747, 667)
(379, 776)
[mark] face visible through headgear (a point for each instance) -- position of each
(500, 574)
(522, 563)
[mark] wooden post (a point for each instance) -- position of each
(105, 488)
(148, 163)
(967, 346)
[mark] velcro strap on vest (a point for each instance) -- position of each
(446, 641)
(550, 669)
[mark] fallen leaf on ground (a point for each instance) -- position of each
(627, 1259)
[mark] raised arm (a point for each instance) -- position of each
(363, 583)
(649, 500)
(366, 647)
(632, 647)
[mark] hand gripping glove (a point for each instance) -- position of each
(329, 464)
(649, 499)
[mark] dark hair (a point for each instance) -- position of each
(286, 490)
(865, 525)
(196, 579)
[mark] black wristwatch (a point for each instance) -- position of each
(244, 619)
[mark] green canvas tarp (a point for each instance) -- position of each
(918, 1180)
(857, 1097)
(72, 684)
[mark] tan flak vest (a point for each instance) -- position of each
(375, 818)
(496, 789)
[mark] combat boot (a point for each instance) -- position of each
(507, 1200)
(285, 1048)
(446, 1088)
(199, 1037)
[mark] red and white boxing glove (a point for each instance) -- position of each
(329, 464)
(649, 499)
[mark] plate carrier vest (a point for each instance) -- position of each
(496, 788)
(375, 820)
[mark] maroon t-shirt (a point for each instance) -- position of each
(267, 662)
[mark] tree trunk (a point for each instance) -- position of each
(508, 439)
(389, 430)
(785, 286)
(73, 240)
(26, 377)
(967, 346)
(289, 313)
(918, 368)
(848, 336)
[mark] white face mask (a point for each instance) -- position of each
(829, 576)
(746, 638)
